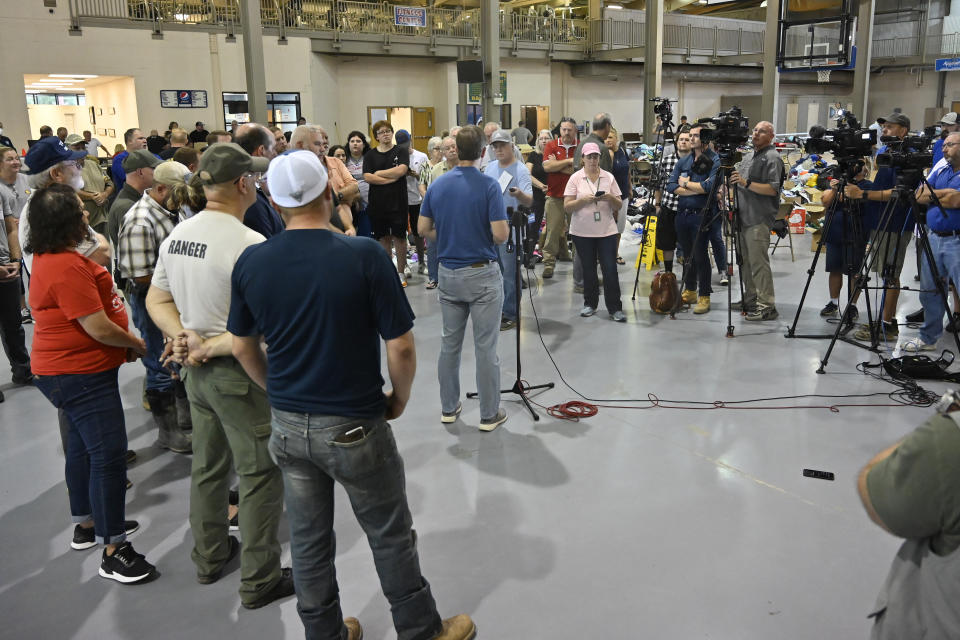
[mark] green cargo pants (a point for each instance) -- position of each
(231, 424)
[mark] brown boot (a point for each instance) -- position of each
(459, 627)
(164, 409)
(688, 296)
(703, 304)
(354, 630)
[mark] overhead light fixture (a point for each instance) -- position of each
(70, 75)
(61, 81)
(35, 91)
(614, 6)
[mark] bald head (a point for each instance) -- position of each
(256, 140)
(763, 134)
(951, 149)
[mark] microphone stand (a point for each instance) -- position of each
(519, 222)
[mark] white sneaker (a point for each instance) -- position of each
(422, 268)
(407, 272)
(915, 345)
(403, 280)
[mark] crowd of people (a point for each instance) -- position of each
(185, 230)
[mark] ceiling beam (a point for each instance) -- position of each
(673, 5)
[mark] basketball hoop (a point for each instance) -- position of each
(823, 75)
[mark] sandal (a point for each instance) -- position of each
(620, 260)
(431, 284)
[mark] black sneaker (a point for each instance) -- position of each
(23, 380)
(232, 552)
(829, 310)
(282, 589)
(233, 497)
(916, 316)
(84, 538)
(954, 323)
(130, 457)
(25, 317)
(126, 565)
(506, 324)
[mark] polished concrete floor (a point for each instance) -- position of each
(635, 523)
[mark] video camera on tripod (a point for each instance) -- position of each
(910, 155)
(849, 143)
(661, 107)
(730, 131)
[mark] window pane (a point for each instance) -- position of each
(286, 97)
(43, 98)
(285, 113)
(81, 98)
(66, 100)
(234, 96)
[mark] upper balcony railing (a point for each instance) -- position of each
(302, 17)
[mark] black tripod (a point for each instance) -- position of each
(657, 182)
(728, 211)
(904, 191)
(853, 236)
(519, 221)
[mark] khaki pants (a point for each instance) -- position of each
(558, 221)
(757, 275)
(231, 427)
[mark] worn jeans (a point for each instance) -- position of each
(475, 293)
(946, 255)
(158, 378)
(697, 264)
(716, 243)
(757, 274)
(508, 267)
(603, 250)
(11, 329)
(313, 455)
(555, 242)
(433, 261)
(96, 468)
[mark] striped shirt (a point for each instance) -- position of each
(144, 227)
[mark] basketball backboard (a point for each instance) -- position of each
(816, 34)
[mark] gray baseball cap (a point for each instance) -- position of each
(898, 118)
(140, 159)
(226, 161)
(501, 135)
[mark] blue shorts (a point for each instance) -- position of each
(846, 257)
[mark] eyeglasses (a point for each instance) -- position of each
(950, 144)
(79, 163)
(383, 131)
(257, 177)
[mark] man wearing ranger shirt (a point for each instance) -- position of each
(189, 299)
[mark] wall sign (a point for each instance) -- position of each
(183, 98)
(947, 64)
(409, 16)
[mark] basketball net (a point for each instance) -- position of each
(823, 75)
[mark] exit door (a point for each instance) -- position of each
(423, 127)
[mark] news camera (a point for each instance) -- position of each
(730, 131)
(911, 154)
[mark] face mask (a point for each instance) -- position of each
(77, 182)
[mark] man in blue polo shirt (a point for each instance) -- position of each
(943, 224)
(463, 213)
(134, 140)
(691, 181)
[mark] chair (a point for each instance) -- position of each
(783, 213)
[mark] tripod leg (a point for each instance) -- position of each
(825, 230)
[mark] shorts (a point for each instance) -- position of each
(414, 216)
(892, 250)
(390, 223)
(844, 257)
(667, 229)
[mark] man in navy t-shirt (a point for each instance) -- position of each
(463, 213)
(322, 321)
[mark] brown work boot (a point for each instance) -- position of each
(547, 272)
(459, 627)
(688, 296)
(703, 304)
(354, 630)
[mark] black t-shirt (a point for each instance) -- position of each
(314, 325)
(167, 154)
(198, 136)
(387, 198)
(535, 159)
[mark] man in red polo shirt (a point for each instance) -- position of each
(558, 163)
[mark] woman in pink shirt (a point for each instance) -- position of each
(592, 197)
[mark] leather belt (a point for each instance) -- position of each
(477, 265)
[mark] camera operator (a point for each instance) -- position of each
(758, 197)
(943, 223)
(910, 490)
(891, 242)
(846, 241)
(948, 124)
(667, 202)
(691, 181)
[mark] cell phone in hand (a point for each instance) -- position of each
(600, 194)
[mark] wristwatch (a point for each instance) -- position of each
(747, 186)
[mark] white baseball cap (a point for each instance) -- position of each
(296, 179)
(949, 118)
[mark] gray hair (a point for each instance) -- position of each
(601, 121)
(433, 143)
(304, 132)
(44, 179)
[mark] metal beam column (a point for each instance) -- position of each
(490, 53)
(861, 73)
(253, 60)
(652, 65)
(771, 75)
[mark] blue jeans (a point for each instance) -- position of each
(946, 255)
(697, 264)
(719, 249)
(313, 454)
(96, 468)
(475, 293)
(590, 251)
(361, 222)
(508, 267)
(158, 378)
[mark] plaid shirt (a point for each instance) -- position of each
(144, 227)
(668, 200)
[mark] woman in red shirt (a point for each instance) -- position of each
(79, 343)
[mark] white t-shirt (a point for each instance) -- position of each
(93, 147)
(417, 160)
(195, 264)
